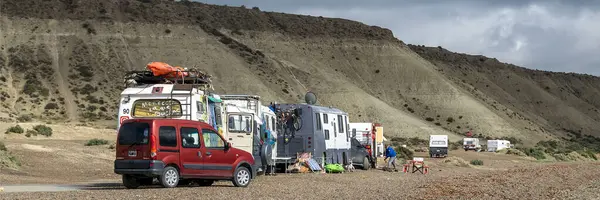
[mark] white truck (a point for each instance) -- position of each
(497, 145)
(471, 144)
(438, 146)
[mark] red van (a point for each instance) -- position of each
(178, 152)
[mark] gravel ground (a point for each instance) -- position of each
(549, 181)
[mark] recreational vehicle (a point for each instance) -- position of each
(497, 145)
(438, 146)
(369, 135)
(471, 144)
(321, 131)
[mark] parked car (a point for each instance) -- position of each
(176, 152)
(360, 155)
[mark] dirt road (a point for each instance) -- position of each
(548, 181)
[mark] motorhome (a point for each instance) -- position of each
(497, 145)
(321, 131)
(438, 146)
(471, 144)
(369, 135)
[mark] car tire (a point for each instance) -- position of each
(130, 182)
(205, 183)
(366, 163)
(169, 177)
(146, 181)
(241, 177)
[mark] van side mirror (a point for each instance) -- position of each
(227, 146)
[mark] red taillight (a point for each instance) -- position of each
(152, 147)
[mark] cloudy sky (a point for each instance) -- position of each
(553, 35)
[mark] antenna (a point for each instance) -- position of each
(310, 98)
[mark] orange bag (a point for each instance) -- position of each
(164, 69)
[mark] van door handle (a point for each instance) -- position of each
(208, 153)
(199, 154)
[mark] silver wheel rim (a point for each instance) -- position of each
(171, 177)
(243, 177)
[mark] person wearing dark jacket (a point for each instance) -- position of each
(391, 154)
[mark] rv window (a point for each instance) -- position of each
(325, 119)
(190, 138)
(341, 124)
(438, 142)
(212, 139)
(218, 115)
(273, 122)
(240, 123)
(167, 136)
(353, 132)
(200, 106)
(334, 130)
(318, 119)
(156, 108)
(326, 134)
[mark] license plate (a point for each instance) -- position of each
(132, 153)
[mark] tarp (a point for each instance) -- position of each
(212, 99)
(334, 168)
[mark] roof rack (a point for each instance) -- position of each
(194, 77)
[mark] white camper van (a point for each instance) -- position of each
(497, 145)
(438, 146)
(471, 144)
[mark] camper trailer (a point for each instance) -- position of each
(369, 135)
(321, 131)
(438, 146)
(471, 144)
(497, 145)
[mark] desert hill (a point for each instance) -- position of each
(63, 60)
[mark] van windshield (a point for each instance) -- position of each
(134, 133)
(240, 123)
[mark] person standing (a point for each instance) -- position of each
(391, 154)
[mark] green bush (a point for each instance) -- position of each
(15, 129)
(476, 162)
(3, 147)
(96, 141)
(43, 130)
(404, 153)
(537, 153)
(455, 145)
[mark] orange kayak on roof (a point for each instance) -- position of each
(164, 69)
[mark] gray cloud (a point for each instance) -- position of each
(556, 35)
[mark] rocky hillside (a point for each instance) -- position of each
(64, 59)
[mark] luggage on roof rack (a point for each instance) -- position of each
(162, 73)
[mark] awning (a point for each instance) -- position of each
(215, 100)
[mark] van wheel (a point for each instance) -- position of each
(366, 163)
(169, 177)
(130, 182)
(241, 177)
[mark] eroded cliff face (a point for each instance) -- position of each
(69, 64)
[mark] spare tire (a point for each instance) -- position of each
(266, 154)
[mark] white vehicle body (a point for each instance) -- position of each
(364, 132)
(438, 145)
(496, 145)
(153, 101)
(471, 144)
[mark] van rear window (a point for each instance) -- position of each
(134, 133)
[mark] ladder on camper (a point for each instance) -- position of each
(186, 107)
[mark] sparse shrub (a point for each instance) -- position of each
(96, 141)
(43, 130)
(111, 146)
(168, 31)
(410, 110)
(404, 153)
(450, 120)
(405, 105)
(460, 117)
(537, 153)
(476, 162)
(15, 129)
(3, 147)
(455, 145)
(377, 71)
(51, 106)
(438, 124)
(31, 132)
(429, 119)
